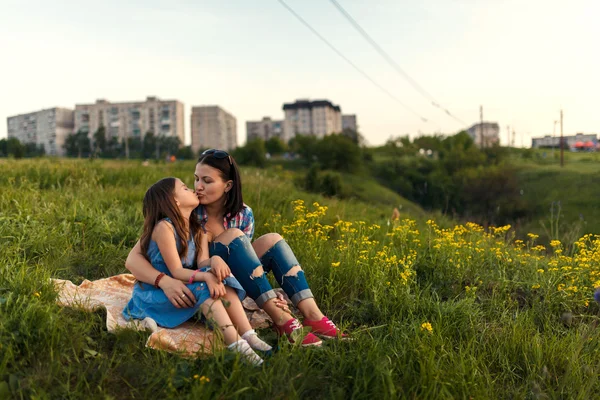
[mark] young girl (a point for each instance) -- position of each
(171, 241)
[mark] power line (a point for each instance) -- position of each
(339, 53)
(390, 61)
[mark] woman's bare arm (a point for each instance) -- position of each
(143, 271)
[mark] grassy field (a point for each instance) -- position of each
(436, 312)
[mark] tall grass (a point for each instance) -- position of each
(436, 312)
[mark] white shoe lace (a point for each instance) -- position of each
(295, 325)
(331, 324)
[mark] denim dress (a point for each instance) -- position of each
(148, 301)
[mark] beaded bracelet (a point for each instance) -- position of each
(158, 278)
(192, 277)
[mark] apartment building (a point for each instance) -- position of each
(490, 131)
(132, 119)
(264, 129)
(48, 128)
(305, 117)
(213, 127)
(349, 122)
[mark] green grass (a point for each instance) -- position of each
(565, 201)
(500, 338)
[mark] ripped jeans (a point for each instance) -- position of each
(242, 260)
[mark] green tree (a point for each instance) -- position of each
(133, 147)
(275, 146)
(77, 145)
(253, 153)
(305, 147)
(339, 153)
(15, 148)
(353, 135)
(100, 141)
(185, 153)
(113, 148)
(150, 146)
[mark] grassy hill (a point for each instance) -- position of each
(566, 201)
(434, 312)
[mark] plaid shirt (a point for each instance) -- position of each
(244, 220)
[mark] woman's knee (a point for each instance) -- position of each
(265, 242)
(229, 236)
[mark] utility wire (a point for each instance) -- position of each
(390, 61)
(339, 53)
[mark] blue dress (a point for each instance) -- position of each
(148, 301)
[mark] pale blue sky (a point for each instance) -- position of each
(522, 59)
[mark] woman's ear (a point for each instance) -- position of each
(228, 186)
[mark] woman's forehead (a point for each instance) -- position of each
(206, 170)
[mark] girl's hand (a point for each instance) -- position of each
(215, 287)
(280, 302)
(219, 268)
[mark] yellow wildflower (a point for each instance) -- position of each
(426, 326)
(335, 264)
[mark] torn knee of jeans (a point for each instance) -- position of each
(258, 272)
(294, 271)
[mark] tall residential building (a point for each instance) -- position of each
(264, 129)
(213, 127)
(349, 122)
(491, 134)
(305, 117)
(132, 119)
(46, 127)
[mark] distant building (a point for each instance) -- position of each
(491, 134)
(305, 117)
(48, 128)
(264, 129)
(213, 127)
(132, 119)
(569, 141)
(349, 122)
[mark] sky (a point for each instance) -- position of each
(522, 60)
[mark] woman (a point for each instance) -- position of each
(230, 223)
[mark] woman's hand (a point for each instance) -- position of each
(219, 268)
(215, 287)
(177, 293)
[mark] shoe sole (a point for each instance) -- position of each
(317, 344)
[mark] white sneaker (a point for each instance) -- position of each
(242, 347)
(255, 342)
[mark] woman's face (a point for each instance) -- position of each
(209, 185)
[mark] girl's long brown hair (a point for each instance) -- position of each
(159, 203)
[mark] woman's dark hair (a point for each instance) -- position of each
(234, 202)
(159, 203)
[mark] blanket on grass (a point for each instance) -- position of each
(112, 293)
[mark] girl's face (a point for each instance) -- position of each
(185, 197)
(209, 185)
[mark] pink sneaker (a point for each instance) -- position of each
(325, 329)
(293, 325)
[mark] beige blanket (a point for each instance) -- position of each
(113, 293)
